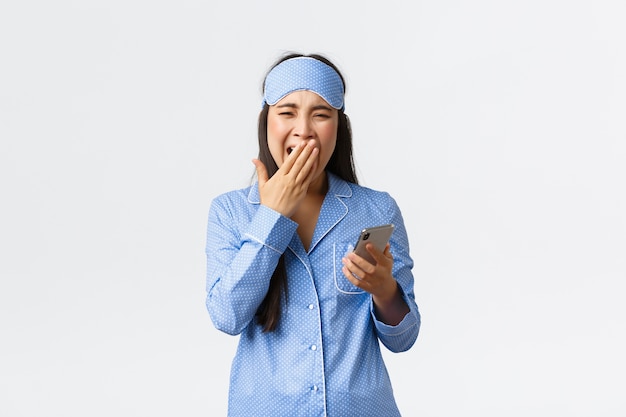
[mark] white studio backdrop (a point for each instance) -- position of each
(499, 127)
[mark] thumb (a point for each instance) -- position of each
(261, 171)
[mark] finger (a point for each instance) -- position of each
(354, 268)
(289, 163)
(304, 159)
(306, 173)
(359, 262)
(378, 256)
(261, 171)
(352, 277)
(387, 253)
(384, 258)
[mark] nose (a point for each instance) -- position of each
(303, 128)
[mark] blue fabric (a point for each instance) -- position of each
(324, 359)
(304, 73)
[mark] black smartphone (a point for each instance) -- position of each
(377, 236)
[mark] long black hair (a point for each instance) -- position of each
(341, 163)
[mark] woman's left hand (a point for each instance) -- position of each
(375, 279)
(378, 281)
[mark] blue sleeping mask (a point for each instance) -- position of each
(304, 73)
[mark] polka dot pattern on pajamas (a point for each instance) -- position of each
(324, 359)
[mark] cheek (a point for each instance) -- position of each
(272, 126)
(275, 140)
(328, 140)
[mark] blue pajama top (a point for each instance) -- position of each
(324, 357)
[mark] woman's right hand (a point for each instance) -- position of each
(288, 186)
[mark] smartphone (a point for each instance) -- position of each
(377, 235)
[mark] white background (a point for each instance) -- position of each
(499, 127)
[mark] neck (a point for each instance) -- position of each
(319, 186)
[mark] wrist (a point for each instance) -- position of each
(389, 296)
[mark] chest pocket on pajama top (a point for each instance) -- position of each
(342, 284)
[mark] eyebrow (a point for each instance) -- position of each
(295, 106)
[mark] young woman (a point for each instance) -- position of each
(280, 268)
